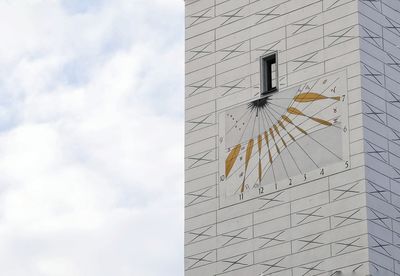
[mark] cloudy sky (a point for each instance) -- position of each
(91, 137)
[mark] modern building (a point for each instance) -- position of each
(292, 156)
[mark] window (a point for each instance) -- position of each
(269, 74)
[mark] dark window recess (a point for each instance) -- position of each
(269, 74)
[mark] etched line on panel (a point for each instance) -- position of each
(268, 14)
(271, 239)
(271, 198)
(306, 23)
(201, 16)
(199, 195)
(231, 16)
(274, 265)
(237, 261)
(201, 259)
(305, 60)
(309, 215)
(350, 244)
(234, 236)
(201, 51)
(345, 192)
(340, 36)
(202, 234)
(344, 218)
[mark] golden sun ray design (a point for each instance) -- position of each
(281, 135)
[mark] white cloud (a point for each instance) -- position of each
(91, 137)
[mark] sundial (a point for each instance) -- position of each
(284, 138)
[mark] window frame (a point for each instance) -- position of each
(266, 77)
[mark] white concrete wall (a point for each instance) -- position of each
(315, 228)
(380, 63)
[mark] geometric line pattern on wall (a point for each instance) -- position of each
(370, 36)
(378, 191)
(340, 36)
(273, 266)
(201, 234)
(375, 4)
(202, 51)
(200, 86)
(232, 16)
(375, 113)
(200, 122)
(395, 98)
(201, 16)
(310, 242)
(271, 198)
(379, 218)
(330, 4)
(376, 151)
(347, 218)
(268, 14)
(310, 215)
(236, 262)
(348, 245)
(345, 191)
(303, 25)
(268, 48)
(312, 268)
(372, 74)
(380, 245)
(393, 25)
(234, 50)
(305, 60)
(202, 158)
(235, 236)
(200, 196)
(394, 61)
(201, 259)
(271, 239)
(234, 86)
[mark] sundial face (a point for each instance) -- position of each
(286, 138)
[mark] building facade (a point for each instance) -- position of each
(292, 137)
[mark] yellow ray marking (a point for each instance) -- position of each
(273, 138)
(295, 111)
(242, 186)
(248, 152)
(277, 131)
(311, 97)
(259, 143)
(269, 151)
(283, 126)
(286, 118)
(231, 159)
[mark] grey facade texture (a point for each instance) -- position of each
(305, 181)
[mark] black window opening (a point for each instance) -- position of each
(269, 74)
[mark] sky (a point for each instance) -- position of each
(91, 137)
